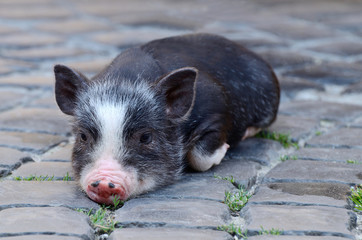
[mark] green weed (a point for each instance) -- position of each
(67, 177)
(101, 219)
(233, 230)
(34, 178)
(283, 139)
(236, 200)
(356, 197)
(287, 157)
(351, 161)
(272, 231)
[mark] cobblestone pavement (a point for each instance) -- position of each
(316, 50)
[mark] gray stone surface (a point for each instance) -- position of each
(36, 220)
(329, 154)
(173, 212)
(168, 233)
(339, 138)
(43, 193)
(300, 194)
(194, 188)
(314, 171)
(293, 237)
(57, 170)
(315, 50)
(298, 218)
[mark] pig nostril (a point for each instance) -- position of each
(111, 185)
(95, 184)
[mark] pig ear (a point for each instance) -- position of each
(179, 87)
(68, 83)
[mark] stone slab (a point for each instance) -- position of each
(295, 127)
(30, 142)
(36, 120)
(173, 212)
(11, 158)
(62, 153)
(329, 154)
(298, 218)
(293, 237)
(343, 137)
(43, 193)
(342, 48)
(29, 81)
(168, 233)
(11, 98)
(45, 219)
(315, 171)
(51, 169)
(259, 150)
(46, 237)
(282, 58)
(321, 110)
(24, 40)
(301, 194)
(74, 26)
(194, 188)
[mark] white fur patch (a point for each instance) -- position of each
(202, 162)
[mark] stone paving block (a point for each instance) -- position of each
(9, 65)
(339, 73)
(321, 110)
(11, 98)
(291, 85)
(4, 172)
(91, 66)
(342, 48)
(27, 81)
(74, 26)
(329, 154)
(133, 37)
(30, 142)
(46, 101)
(296, 30)
(4, 29)
(11, 158)
(31, 11)
(315, 171)
(43, 193)
(46, 237)
(295, 127)
(173, 212)
(343, 137)
(194, 188)
(283, 59)
(42, 54)
(353, 88)
(167, 234)
(300, 194)
(324, 220)
(45, 219)
(36, 120)
(57, 169)
(62, 153)
(24, 40)
(256, 149)
(267, 237)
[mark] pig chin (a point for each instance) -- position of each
(103, 182)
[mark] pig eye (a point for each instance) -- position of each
(146, 138)
(83, 137)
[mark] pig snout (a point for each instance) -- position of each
(105, 182)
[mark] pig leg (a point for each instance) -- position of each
(250, 132)
(207, 152)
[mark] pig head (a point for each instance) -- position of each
(126, 132)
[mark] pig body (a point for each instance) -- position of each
(160, 106)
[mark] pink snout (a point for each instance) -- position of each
(104, 191)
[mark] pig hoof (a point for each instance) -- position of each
(251, 132)
(202, 161)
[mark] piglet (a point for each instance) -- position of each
(170, 103)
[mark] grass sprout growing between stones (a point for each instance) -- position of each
(234, 230)
(356, 197)
(67, 177)
(235, 200)
(351, 161)
(34, 178)
(102, 219)
(272, 231)
(283, 139)
(287, 157)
